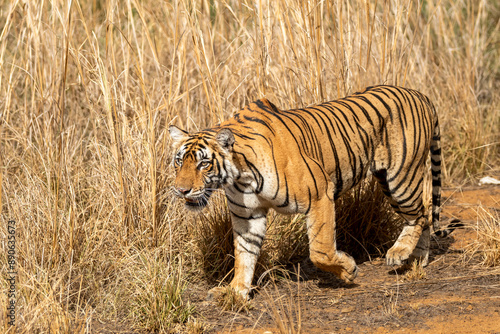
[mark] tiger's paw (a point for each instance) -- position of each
(397, 255)
(421, 251)
(421, 255)
(423, 260)
(348, 276)
(220, 292)
(215, 293)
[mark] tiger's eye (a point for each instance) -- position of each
(204, 164)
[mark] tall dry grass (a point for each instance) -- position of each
(87, 89)
(486, 246)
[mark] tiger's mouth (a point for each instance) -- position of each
(199, 202)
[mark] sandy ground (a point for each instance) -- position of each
(457, 295)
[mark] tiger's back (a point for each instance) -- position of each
(343, 140)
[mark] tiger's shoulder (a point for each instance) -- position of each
(257, 117)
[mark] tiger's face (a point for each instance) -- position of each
(202, 163)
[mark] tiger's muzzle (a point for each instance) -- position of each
(194, 200)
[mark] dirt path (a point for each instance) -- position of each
(456, 295)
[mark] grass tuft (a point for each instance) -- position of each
(285, 307)
(230, 300)
(487, 244)
(213, 241)
(416, 272)
(366, 224)
(156, 292)
(390, 303)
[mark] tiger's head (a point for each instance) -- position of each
(203, 163)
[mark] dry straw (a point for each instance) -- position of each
(87, 89)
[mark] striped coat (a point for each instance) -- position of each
(301, 160)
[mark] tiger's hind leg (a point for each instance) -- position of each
(421, 251)
(406, 199)
(413, 242)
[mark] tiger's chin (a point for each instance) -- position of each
(197, 203)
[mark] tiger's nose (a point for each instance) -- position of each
(183, 191)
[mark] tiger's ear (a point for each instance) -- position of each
(225, 138)
(177, 134)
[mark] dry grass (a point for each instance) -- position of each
(390, 304)
(285, 308)
(370, 230)
(212, 239)
(487, 243)
(416, 272)
(87, 89)
(230, 300)
(156, 292)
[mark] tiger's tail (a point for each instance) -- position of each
(436, 176)
(436, 186)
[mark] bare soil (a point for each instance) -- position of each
(457, 295)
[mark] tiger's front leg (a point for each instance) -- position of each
(322, 243)
(249, 235)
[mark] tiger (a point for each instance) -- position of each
(300, 161)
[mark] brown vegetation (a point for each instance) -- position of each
(87, 89)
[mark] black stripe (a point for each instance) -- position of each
(382, 100)
(234, 203)
(276, 172)
(436, 183)
(241, 190)
(367, 101)
(435, 151)
(247, 218)
(285, 204)
(436, 162)
(338, 171)
(257, 243)
(248, 250)
(405, 179)
(309, 205)
(276, 114)
(346, 140)
(260, 121)
(363, 110)
(411, 212)
(436, 173)
(403, 154)
(255, 172)
(415, 189)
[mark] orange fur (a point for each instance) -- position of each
(299, 161)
